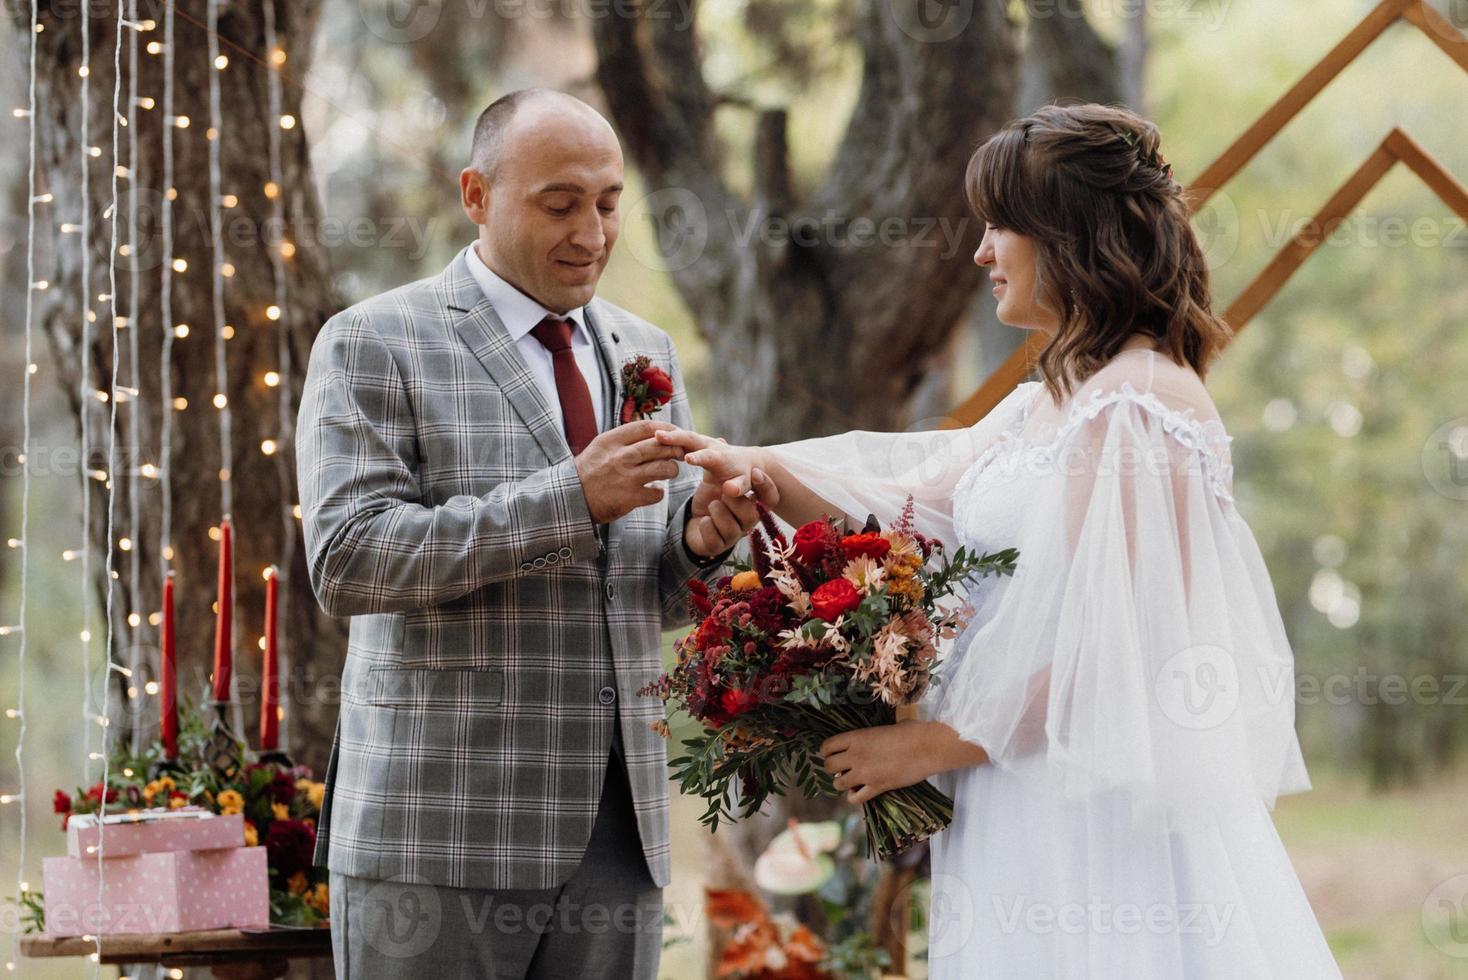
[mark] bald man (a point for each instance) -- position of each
(497, 800)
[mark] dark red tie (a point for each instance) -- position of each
(554, 335)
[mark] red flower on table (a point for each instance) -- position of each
(833, 598)
(290, 845)
(646, 388)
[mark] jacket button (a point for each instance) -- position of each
(611, 591)
(606, 695)
(540, 563)
(566, 552)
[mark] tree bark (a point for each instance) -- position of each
(263, 486)
(1070, 59)
(825, 310)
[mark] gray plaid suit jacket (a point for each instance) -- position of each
(443, 513)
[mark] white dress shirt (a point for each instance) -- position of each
(520, 314)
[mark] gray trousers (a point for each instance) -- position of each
(605, 922)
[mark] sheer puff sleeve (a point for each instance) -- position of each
(1139, 646)
(861, 473)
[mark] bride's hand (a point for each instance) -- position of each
(868, 762)
(724, 502)
(721, 463)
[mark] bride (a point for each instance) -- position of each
(1117, 718)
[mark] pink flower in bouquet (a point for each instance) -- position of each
(833, 598)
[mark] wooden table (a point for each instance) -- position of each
(233, 954)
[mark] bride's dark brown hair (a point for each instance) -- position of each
(1115, 253)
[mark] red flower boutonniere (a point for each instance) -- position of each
(646, 388)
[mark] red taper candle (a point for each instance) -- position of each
(223, 624)
(168, 677)
(270, 696)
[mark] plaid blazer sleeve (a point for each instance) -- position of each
(371, 545)
(678, 566)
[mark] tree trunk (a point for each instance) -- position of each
(825, 310)
(263, 485)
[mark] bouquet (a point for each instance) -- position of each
(823, 634)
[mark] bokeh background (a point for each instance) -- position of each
(1347, 396)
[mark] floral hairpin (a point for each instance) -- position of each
(1154, 159)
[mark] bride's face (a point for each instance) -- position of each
(1010, 259)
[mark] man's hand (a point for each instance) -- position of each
(727, 515)
(617, 465)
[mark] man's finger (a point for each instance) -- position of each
(765, 490)
(640, 429)
(727, 525)
(686, 438)
(657, 469)
(743, 510)
(650, 449)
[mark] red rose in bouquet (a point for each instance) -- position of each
(823, 634)
(831, 599)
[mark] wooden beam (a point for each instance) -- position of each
(1433, 174)
(1267, 126)
(1004, 380)
(1397, 146)
(1440, 31)
(1305, 241)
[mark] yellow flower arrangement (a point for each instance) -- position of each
(280, 811)
(252, 836)
(909, 587)
(163, 784)
(319, 898)
(230, 801)
(298, 885)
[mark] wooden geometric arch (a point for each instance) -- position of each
(1396, 147)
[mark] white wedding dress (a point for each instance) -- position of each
(1131, 682)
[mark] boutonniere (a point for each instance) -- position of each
(646, 388)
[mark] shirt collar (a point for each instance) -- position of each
(518, 312)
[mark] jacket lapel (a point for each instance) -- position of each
(609, 346)
(480, 327)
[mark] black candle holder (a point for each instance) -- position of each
(167, 767)
(224, 753)
(276, 757)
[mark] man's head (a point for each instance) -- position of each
(543, 183)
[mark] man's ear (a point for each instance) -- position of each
(474, 194)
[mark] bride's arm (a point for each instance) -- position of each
(722, 462)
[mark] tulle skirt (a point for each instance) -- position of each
(1027, 884)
